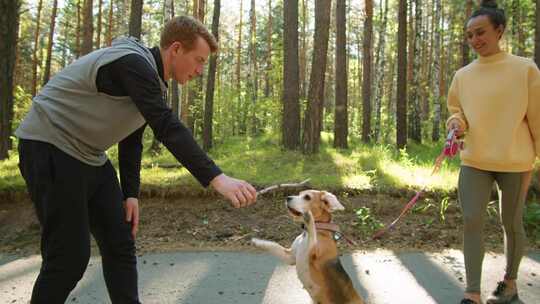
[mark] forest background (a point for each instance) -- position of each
(348, 93)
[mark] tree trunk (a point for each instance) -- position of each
(414, 101)
(341, 125)
(392, 91)
(303, 52)
(65, 45)
(238, 113)
(267, 86)
(194, 101)
(47, 73)
(135, 18)
(210, 84)
(9, 31)
(110, 28)
(35, 50)
(380, 65)
(88, 27)
(401, 94)
(313, 117)
(254, 70)
(78, 31)
(426, 61)
(437, 74)
(366, 79)
(98, 30)
(174, 90)
(201, 9)
(291, 104)
(465, 45)
(537, 35)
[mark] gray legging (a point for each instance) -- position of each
(474, 193)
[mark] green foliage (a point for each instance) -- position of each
(532, 219)
(366, 221)
(10, 178)
(21, 105)
(261, 161)
(445, 203)
(429, 205)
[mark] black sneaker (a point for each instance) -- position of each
(502, 295)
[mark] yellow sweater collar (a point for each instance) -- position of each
(493, 58)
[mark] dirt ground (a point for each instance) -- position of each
(209, 223)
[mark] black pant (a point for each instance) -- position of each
(71, 200)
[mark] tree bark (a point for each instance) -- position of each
(254, 70)
(291, 104)
(303, 52)
(35, 50)
(437, 73)
(98, 30)
(341, 125)
(78, 31)
(135, 18)
(401, 94)
(267, 86)
(9, 31)
(366, 79)
(465, 45)
(47, 73)
(414, 101)
(537, 35)
(313, 117)
(210, 84)
(238, 113)
(110, 28)
(380, 72)
(88, 27)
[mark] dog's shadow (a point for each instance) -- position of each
(353, 270)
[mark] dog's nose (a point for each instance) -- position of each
(289, 198)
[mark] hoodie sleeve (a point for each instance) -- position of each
(454, 105)
(533, 109)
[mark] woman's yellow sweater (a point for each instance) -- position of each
(497, 101)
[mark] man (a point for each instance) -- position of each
(104, 98)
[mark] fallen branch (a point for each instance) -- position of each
(263, 191)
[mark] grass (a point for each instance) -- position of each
(263, 162)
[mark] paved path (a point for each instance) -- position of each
(253, 278)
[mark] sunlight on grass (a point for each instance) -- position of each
(156, 176)
(359, 182)
(10, 178)
(262, 162)
(420, 177)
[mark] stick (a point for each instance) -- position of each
(263, 191)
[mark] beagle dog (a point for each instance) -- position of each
(314, 252)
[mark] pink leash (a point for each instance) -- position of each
(451, 147)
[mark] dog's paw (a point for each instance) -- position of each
(258, 242)
(308, 217)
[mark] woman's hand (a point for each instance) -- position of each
(455, 124)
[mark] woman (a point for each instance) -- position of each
(495, 102)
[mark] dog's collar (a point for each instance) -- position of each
(327, 226)
(332, 227)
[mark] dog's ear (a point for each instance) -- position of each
(331, 202)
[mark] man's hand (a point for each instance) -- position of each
(131, 205)
(239, 192)
(456, 125)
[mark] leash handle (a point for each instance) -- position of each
(450, 149)
(452, 144)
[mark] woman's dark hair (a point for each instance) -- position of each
(490, 9)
